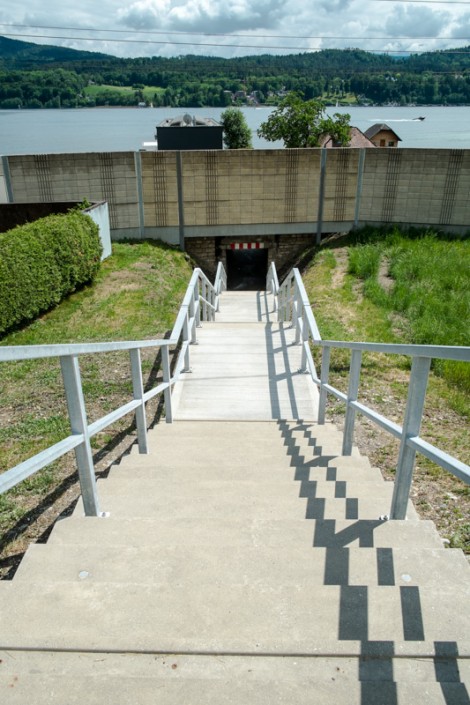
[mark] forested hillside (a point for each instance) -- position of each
(33, 76)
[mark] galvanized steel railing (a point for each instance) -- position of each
(200, 303)
(294, 306)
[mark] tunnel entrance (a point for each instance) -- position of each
(247, 269)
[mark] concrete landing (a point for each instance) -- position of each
(245, 367)
(246, 307)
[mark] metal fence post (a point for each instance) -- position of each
(213, 302)
(204, 299)
(138, 389)
(354, 376)
(325, 373)
(411, 426)
(296, 317)
(79, 426)
(303, 361)
(197, 307)
(166, 378)
(186, 335)
(192, 316)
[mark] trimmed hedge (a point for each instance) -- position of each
(44, 261)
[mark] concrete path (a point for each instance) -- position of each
(245, 367)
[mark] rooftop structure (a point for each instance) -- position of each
(382, 135)
(357, 140)
(173, 133)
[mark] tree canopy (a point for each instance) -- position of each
(237, 134)
(301, 123)
(36, 76)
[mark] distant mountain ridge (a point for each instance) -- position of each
(15, 53)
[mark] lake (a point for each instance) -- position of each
(125, 129)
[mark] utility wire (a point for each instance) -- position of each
(235, 46)
(213, 34)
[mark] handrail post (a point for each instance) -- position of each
(280, 307)
(213, 302)
(138, 389)
(197, 306)
(192, 312)
(296, 316)
(305, 336)
(325, 373)
(411, 427)
(186, 340)
(166, 378)
(354, 376)
(79, 426)
(204, 299)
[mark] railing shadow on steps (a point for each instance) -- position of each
(292, 305)
(200, 303)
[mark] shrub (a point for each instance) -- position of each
(44, 261)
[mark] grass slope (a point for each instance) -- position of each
(358, 287)
(136, 296)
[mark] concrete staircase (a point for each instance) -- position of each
(241, 562)
(244, 560)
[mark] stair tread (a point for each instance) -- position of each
(297, 563)
(254, 531)
(169, 472)
(118, 689)
(253, 668)
(139, 499)
(246, 619)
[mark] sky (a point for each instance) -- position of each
(238, 27)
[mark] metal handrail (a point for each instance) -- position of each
(295, 306)
(199, 303)
(272, 284)
(220, 283)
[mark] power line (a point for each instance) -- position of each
(233, 46)
(210, 34)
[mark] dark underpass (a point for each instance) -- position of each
(247, 269)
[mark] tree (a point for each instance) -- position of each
(338, 128)
(300, 123)
(237, 134)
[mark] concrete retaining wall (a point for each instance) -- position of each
(176, 196)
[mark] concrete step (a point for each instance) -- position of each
(360, 472)
(37, 689)
(280, 533)
(177, 453)
(199, 436)
(211, 429)
(199, 564)
(284, 431)
(187, 485)
(123, 497)
(242, 619)
(309, 671)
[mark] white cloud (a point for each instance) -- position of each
(202, 15)
(416, 22)
(288, 22)
(461, 28)
(144, 14)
